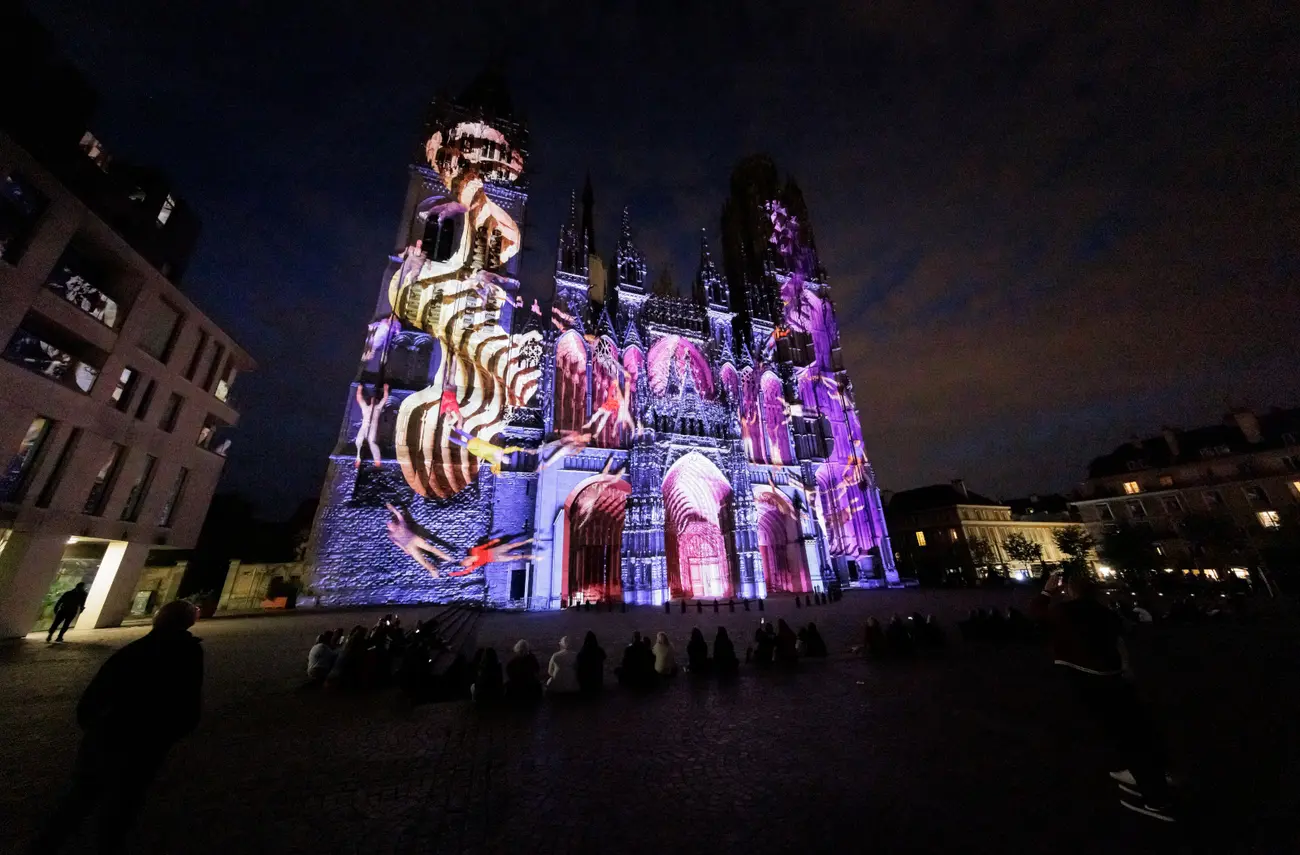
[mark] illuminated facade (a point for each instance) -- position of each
(625, 445)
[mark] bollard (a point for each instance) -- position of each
(668, 606)
(746, 602)
(731, 604)
(699, 607)
(715, 607)
(760, 605)
(807, 600)
(797, 604)
(564, 603)
(622, 607)
(683, 607)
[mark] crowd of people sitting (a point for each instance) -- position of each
(992, 625)
(901, 636)
(385, 653)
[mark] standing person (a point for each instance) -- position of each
(66, 609)
(1088, 646)
(143, 699)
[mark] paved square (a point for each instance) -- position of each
(973, 750)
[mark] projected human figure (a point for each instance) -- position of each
(491, 551)
(615, 406)
(448, 406)
(568, 442)
(407, 540)
(368, 431)
(494, 455)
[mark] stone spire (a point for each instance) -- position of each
(571, 255)
(710, 288)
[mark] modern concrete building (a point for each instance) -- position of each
(1245, 472)
(114, 387)
(946, 531)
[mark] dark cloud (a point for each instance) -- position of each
(1048, 224)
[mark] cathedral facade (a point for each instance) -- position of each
(622, 444)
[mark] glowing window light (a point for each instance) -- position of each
(1212, 574)
(920, 538)
(1269, 519)
(1241, 572)
(1131, 487)
(1105, 572)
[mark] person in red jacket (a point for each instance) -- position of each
(142, 700)
(1088, 646)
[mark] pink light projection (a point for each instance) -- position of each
(606, 370)
(570, 382)
(594, 535)
(675, 349)
(784, 565)
(697, 504)
(751, 432)
(776, 420)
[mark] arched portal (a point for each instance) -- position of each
(570, 382)
(594, 540)
(698, 521)
(784, 565)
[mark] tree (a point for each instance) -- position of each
(1131, 550)
(982, 554)
(1215, 541)
(1075, 543)
(1022, 549)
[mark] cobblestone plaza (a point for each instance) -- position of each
(969, 750)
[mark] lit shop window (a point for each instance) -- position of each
(165, 212)
(920, 538)
(14, 481)
(1131, 487)
(1211, 574)
(952, 535)
(1241, 573)
(1269, 519)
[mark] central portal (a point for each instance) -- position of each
(697, 502)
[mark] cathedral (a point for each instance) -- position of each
(619, 444)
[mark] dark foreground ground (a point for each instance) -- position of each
(974, 750)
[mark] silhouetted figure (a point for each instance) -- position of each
(637, 670)
(814, 644)
(786, 642)
(897, 637)
(725, 662)
(1018, 626)
(142, 700)
(764, 645)
(348, 667)
(591, 665)
(66, 608)
(931, 634)
(697, 653)
(873, 638)
(995, 626)
(523, 676)
(489, 684)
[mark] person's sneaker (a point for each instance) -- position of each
(1160, 812)
(1132, 791)
(1124, 776)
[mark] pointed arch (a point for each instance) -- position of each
(751, 432)
(674, 348)
(606, 369)
(594, 513)
(570, 382)
(776, 420)
(698, 521)
(785, 567)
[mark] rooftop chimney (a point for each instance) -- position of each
(1171, 440)
(960, 486)
(1248, 423)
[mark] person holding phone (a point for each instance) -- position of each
(1088, 646)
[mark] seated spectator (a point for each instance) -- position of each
(898, 639)
(764, 644)
(488, 686)
(697, 653)
(523, 675)
(970, 627)
(932, 633)
(1142, 615)
(591, 665)
(786, 641)
(801, 641)
(1018, 627)
(562, 670)
(873, 638)
(814, 644)
(347, 671)
(665, 656)
(320, 659)
(637, 670)
(995, 625)
(725, 662)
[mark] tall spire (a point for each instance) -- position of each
(588, 204)
(629, 264)
(710, 288)
(571, 257)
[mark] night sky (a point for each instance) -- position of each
(1047, 227)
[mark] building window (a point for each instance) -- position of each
(172, 413)
(21, 207)
(80, 281)
(60, 466)
(1213, 499)
(37, 355)
(952, 535)
(1131, 487)
(1172, 505)
(174, 498)
(126, 384)
(1295, 485)
(227, 380)
(1166, 480)
(209, 436)
(164, 328)
(1104, 512)
(920, 538)
(14, 482)
(1160, 550)
(1211, 574)
(1256, 494)
(1136, 510)
(200, 348)
(146, 398)
(104, 479)
(1269, 519)
(218, 352)
(165, 212)
(131, 511)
